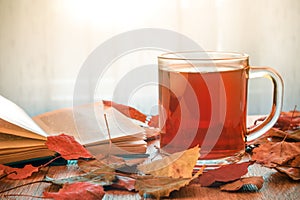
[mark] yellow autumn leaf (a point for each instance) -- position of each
(161, 186)
(177, 165)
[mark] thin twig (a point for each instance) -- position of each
(48, 163)
(159, 152)
(5, 175)
(25, 184)
(25, 195)
(109, 136)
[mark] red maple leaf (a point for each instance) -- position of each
(18, 173)
(225, 173)
(127, 110)
(77, 191)
(67, 147)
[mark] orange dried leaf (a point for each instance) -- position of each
(257, 181)
(295, 162)
(19, 173)
(272, 154)
(67, 147)
(292, 172)
(77, 191)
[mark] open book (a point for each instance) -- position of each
(23, 137)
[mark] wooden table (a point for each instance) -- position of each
(276, 186)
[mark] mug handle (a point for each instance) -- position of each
(271, 119)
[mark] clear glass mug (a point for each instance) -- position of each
(203, 101)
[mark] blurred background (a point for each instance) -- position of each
(43, 43)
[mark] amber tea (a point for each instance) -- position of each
(231, 138)
(204, 102)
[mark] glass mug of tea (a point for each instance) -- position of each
(203, 101)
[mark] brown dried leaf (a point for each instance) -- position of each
(161, 186)
(224, 174)
(295, 162)
(291, 135)
(292, 172)
(177, 165)
(96, 167)
(287, 135)
(135, 161)
(287, 120)
(257, 181)
(272, 154)
(277, 135)
(77, 191)
(111, 160)
(123, 182)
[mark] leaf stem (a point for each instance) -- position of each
(5, 175)
(25, 195)
(25, 184)
(48, 163)
(109, 136)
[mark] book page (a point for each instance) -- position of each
(12, 129)
(26, 153)
(12, 151)
(87, 124)
(57, 122)
(13, 114)
(13, 142)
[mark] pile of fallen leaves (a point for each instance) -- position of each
(157, 178)
(278, 149)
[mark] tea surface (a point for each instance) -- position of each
(203, 106)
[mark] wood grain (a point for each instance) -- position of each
(276, 186)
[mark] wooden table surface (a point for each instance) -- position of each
(276, 186)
